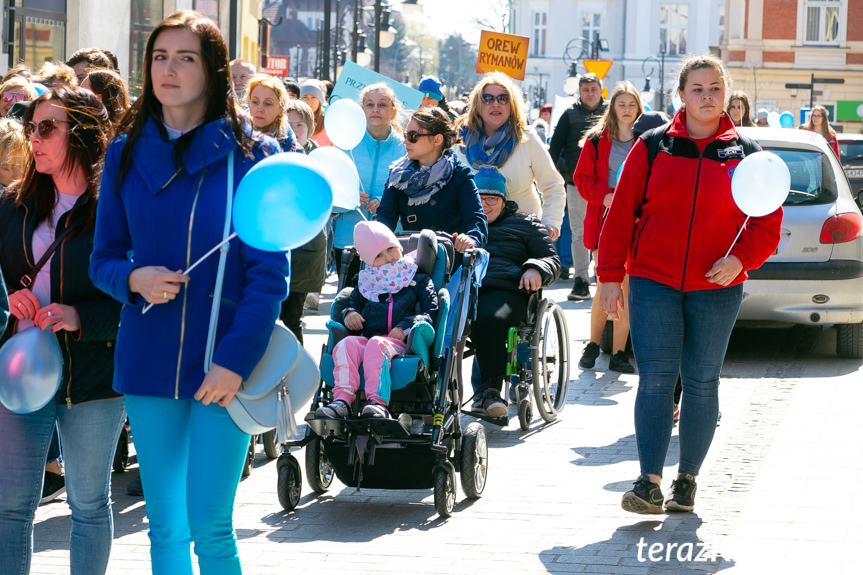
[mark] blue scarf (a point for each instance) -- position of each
(487, 151)
(418, 182)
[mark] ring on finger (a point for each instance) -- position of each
(165, 294)
(19, 305)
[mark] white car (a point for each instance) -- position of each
(851, 156)
(816, 275)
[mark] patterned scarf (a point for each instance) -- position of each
(387, 278)
(418, 182)
(487, 151)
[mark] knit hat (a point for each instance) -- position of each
(371, 238)
(761, 114)
(315, 88)
(490, 182)
(430, 86)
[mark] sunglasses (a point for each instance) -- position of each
(490, 98)
(45, 128)
(413, 136)
(13, 97)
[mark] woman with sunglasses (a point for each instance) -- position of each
(381, 145)
(163, 205)
(51, 212)
(494, 132)
(15, 89)
(819, 123)
(429, 188)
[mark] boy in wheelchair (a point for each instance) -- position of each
(390, 298)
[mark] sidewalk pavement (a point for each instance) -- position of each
(777, 493)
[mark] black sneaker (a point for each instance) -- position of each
(564, 274)
(135, 488)
(580, 290)
(620, 362)
(682, 497)
(476, 406)
(53, 486)
(645, 497)
(493, 405)
(588, 356)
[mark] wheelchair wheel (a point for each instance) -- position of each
(319, 470)
(550, 360)
(525, 414)
(121, 455)
(474, 460)
(250, 457)
(290, 484)
(271, 448)
(444, 493)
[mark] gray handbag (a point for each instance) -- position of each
(283, 381)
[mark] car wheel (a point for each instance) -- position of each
(849, 340)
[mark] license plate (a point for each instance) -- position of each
(854, 173)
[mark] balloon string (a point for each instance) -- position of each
(362, 189)
(200, 259)
(743, 227)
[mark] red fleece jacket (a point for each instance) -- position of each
(591, 177)
(674, 227)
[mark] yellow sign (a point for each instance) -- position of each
(598, 67)
(502, 53)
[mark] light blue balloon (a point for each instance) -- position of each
(786, 119)
(647, 108)
(619, 171)
(282, 203)
(31, 369)
(341, 171)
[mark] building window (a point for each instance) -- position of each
(209, 8)
(37, 32)
(721, 39)
(822, 22)
(673, 21)
(540, 24)
(146, 14)
(589, 31)
(736, 19)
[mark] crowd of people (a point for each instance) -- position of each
(88, 174)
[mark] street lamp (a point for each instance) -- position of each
(648, 67)
(576, 49)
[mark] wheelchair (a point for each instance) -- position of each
(423, 446)
(539, 378)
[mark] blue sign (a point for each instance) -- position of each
(354, 78)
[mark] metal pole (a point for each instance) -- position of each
(325, 53)
(356, 34)
(377, 35)
(812, 90)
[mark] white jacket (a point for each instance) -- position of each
(529, 163)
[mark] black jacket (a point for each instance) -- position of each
(88, 355)
(517, 243)
(415, 303)
(571, 127)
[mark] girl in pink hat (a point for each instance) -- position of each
(382, 309)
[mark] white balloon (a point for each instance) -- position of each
(338, 168)
(760, 184)
(345, 123)
(675, 99)
(773, 120)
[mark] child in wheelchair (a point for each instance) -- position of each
(389, 298)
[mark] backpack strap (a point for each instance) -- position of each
(652, 139)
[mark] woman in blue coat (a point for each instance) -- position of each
(162, 205)
(429, 188)
(381, 146)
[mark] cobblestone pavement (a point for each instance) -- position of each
(776, 495)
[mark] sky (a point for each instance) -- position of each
(444, 17)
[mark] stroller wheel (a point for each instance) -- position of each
(250, 457)
(444, 493)
(474, 460)
(121, 455)
(271, 448)
(290, 484)
(525, 414)
(319, 470)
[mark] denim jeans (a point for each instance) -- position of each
(88, 432)
(687, 332)
(191, 457)
(577, 208)
(563, 244)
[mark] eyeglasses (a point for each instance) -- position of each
(489, 200)
(490, 98)
(413, 136)
(45, 128)
(13, 97)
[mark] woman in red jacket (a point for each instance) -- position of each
(604, 147)
(669, 227)
(818, 122)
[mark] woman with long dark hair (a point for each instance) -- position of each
(818, 122)
(164, 194)
(51, 212)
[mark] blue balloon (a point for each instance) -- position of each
(786, 119)
(31, 369)
(647, 108)
(282, 203)
(619, 171)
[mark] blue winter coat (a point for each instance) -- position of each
(454, 209)
(161, 217)
(412, 304)
(373, 159)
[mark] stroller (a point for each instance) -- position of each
(423, 446)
